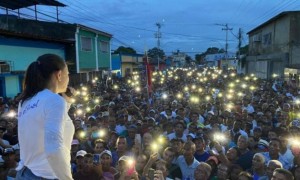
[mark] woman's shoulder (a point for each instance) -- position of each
(51, 96)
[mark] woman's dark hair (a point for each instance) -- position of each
(38, 74)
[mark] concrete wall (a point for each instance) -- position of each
(19, 53)
(22, 52)
(87, 59)
(280, 51)
(12, 86)
(103, 57)
(125, 66)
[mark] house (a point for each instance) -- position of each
(85, 49)
(222, 60)
(178, 58)
(274, 46)
(123, 64)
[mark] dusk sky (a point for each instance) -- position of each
(190, 26)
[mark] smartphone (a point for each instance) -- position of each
(131, 168)
(96, 159)
(151, 173)
(69, 92)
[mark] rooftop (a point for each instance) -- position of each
(17, 4)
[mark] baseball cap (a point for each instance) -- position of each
(106, 152)
(132, 126)
(260, 113)
(192, 135)
(7, 151)
(295, 123)
(111, 103)
(81, 153)
(75, 142)
(211, 112)
(139, 122)
(124, 158)
(152, 110)
(228, 110)
(263, 143)
(174, 102)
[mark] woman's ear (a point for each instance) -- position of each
(59, 75)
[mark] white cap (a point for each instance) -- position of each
(192, 135)
(111, 103)
(75, 142)
(105, 152)
(81, 153)
(124, 158)
(211, 112)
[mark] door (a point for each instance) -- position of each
(2, 87)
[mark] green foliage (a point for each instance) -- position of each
(155, 52)
(124, 50)
(188, 59)
(212, 50)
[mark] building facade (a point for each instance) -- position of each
(22, 40)
(222, 60)
(123, 64)
(274, 46)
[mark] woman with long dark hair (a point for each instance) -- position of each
(44, 127)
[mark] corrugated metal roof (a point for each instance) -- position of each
(17, 4)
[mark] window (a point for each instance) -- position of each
(267, 39)
(86, 44)
(104, 46)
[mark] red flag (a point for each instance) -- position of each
(148, 75)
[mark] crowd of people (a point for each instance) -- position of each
(188, 123)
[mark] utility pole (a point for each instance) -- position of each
(158, 36)
(226, 45)
(240, 43)
(239, 50)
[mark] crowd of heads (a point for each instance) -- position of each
(223, 124)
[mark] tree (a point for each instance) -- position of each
(124, 50)
(199, 58)
(188, 59)
(212, 50)
(155, 52)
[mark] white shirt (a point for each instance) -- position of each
(289, 156)
(187, 170)
(45, 135)
(173, 136)
(4, 142)
(285, 162)
(249, 108)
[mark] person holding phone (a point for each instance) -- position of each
(105, 161)
(44, 126)
(89, 171)
(126, 168)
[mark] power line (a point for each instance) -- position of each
(275, 9)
